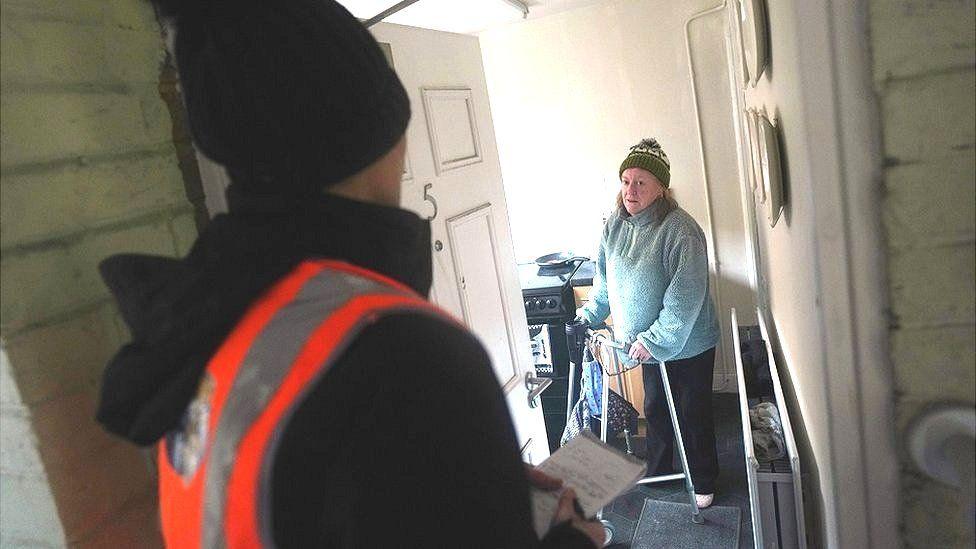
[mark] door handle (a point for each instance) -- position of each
(430, 198)
(535, 385)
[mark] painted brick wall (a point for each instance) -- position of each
(28, 515)
(89, 166)
(924, 55)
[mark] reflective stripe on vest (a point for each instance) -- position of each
(287, 340)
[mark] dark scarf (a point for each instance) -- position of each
(180, 310)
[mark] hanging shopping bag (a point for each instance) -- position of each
(621, 414)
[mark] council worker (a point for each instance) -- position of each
(299, 388)
(652, 274)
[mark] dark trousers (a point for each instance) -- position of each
(691, 386)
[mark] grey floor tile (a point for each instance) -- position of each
(731, 488)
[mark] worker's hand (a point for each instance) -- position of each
(638, 352)
(541, 480)
(569, 510)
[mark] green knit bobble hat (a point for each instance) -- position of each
(649, 155)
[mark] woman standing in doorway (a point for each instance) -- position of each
(652, 273)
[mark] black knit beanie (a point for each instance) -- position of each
(289, 95)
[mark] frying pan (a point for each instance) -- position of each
(559, 259)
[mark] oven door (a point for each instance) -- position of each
(551, 358)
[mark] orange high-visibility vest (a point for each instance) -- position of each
(215, 470)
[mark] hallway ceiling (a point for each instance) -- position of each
(461, 16)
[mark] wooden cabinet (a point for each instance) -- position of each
(632, 380)
(582, 294)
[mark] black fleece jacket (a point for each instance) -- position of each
(405, 442)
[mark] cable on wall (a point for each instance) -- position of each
(712, 242)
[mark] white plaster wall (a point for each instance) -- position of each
(788, 255)
(816, 263)
(569, 95)
(571, 92)
(28, 516)
(788, 252)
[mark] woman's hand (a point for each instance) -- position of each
(638, 352)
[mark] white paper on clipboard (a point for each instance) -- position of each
(597, 472)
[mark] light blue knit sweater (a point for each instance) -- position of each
(653, 275)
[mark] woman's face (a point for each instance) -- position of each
(639, 188)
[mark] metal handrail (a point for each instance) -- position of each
(750, 453)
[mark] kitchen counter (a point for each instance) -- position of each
(584, 276)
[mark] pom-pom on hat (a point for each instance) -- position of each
(289, 95)
(649, 155)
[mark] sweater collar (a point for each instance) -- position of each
(655, 213)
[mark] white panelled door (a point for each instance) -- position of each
(455, 177)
